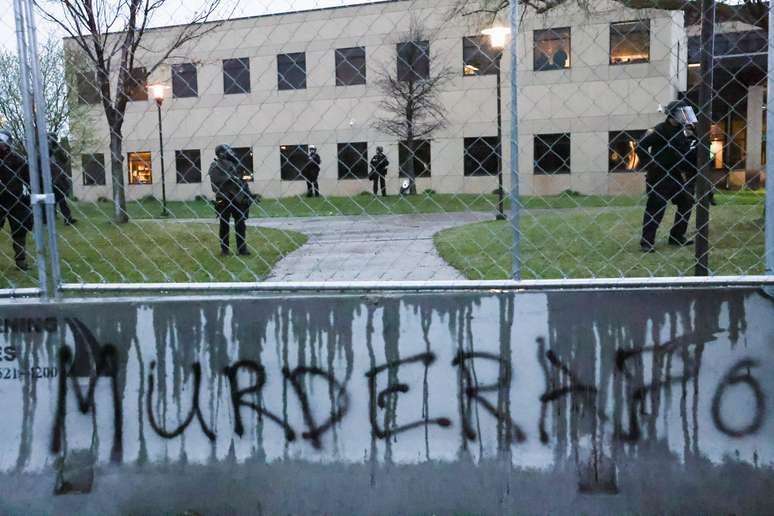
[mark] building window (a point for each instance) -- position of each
(244, 156)
(551, 49)
(88, 91)
(482, 155)
(350, 66)
(630, 42)
(622, 150)
(413, 60)
(478, 56)
(353, 160)
(137, 87)
(184, 81)
(552, 153)
(140, 169)
(93, 166)
(189, 166)
(236, 76)
(421, 158)
(293, 160)
(291, 71)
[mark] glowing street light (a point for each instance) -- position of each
(157, 92)
(498, 37)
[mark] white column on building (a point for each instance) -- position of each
(755, 98)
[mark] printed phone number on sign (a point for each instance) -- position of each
(14, 373)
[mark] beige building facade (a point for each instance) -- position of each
(588, 82)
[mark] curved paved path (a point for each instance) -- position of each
(360, 248)
(366, 247)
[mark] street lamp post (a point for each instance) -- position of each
(157, 92)
(498, 36)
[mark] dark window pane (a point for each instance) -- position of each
(353, 160)
(293, 159)
(552, 153)
(630, 42)
(413, 60)
(420, 156)
(244, 157)
(350, 66)
(236, 76)
(88, 91)
(189, 166)
(482, 155)
(136, 88)
(93, 166)
(184, 81)
(551, 49)
(621, 150)
(140, 169)
(291, 71)
(478, 56)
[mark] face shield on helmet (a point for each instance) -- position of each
(681, 113)
(685, 116)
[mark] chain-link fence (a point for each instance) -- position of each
(210, 141)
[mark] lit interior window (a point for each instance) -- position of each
(140, 170)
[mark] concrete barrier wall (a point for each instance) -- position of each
(565, 402)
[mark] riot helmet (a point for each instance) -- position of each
(223, 151)
(681, 113)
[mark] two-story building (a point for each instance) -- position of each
(589, 83)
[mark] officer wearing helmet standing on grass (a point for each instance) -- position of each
(665, 153)
(15, 198)
(232, 198)
(311, 172)
(378, 173)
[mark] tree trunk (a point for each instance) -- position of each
(120, 216)
(411, 172)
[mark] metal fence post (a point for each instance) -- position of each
(769, 206)
(703, 186)
(23, 46)
(514, 195)
(42, 133)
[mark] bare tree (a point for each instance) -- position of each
(107, 35)
(410, 107)
(63, 118)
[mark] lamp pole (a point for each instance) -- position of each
(497, 38)
(164, 212)
(500, 214)
(157, 91)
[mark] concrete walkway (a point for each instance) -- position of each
(365, 248)
(387, 247)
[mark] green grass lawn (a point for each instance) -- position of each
(300, 206)
(96, 250)
(600, 242)
(567, 235)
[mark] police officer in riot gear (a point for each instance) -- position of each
(311, 172)
(379, 164)
(15, 198)
(60, 181)
(232, 198)
(666, 152)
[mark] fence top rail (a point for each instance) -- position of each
(365, 286)
(19, 292)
